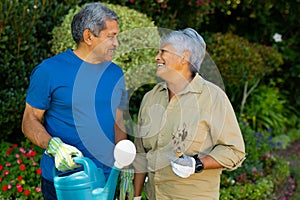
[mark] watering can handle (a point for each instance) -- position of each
(88, 164)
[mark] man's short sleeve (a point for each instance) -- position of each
(39, 91)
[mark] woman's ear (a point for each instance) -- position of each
(87, 36)
(186, 56)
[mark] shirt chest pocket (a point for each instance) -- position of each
(198, 138)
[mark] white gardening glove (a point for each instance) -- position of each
(63, 154)
(183, 166)
(137, 198)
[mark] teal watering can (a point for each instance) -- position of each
(89, 183)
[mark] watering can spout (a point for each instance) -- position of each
(108, 192)
(124, 154)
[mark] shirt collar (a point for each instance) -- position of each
(195, 86)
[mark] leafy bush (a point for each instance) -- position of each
(24, 36)
(20, 171)
(261, 173)
(268, 108)
(242, 64)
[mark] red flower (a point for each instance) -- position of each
(22, 167)
(26, 192)
(39, 171)
(6, 172)
(19, 188)
(20, 178)
(1, 167)
(1, 179)
(32, 153)
(4, 188)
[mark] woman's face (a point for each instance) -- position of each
(168, 62)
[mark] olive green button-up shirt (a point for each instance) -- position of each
(199, 120)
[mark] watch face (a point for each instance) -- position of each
(199, 168)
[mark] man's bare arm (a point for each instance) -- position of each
(33, 128)
(120, 131)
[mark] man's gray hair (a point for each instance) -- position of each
(187, 39)
(92, 17)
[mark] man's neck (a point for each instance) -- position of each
(86, 55)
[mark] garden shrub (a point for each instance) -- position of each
(242, 64)
(260, 175)
(268, 108)
(24, 34)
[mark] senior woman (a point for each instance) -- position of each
(187, 129)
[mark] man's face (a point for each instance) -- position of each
(105, 44)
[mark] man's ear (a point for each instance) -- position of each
(186, 56)
(87, 36)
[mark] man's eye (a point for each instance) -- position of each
(112, 36)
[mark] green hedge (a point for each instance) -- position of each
(25, 28)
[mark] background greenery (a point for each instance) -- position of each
(261, 75)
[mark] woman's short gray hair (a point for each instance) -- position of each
(92, 17)
(187, 39)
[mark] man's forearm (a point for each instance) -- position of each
(36, 133)
(119, 127)
(33, 128)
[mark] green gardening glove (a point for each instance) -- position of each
(126, 184)
(63, 154)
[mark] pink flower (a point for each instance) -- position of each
(7, 164)
(131, 1)
(19, 161)
(22, 150)
(9, 186)
(17, 155)
(38, 189)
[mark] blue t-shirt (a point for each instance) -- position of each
(80, 100)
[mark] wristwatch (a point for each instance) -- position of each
(199, 165)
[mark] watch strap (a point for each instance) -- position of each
(199, 165)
